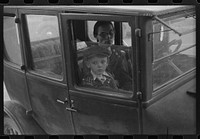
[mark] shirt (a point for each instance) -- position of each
(102, 77)
(104, 81)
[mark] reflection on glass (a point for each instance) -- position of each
(45, 45)
(173, 55)
(42, 27)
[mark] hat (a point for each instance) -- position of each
(96, 50)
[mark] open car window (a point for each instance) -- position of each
(173, 55)
(119, 63)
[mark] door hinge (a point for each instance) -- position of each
(29, 112)
(138, 32)
(139, 95)
(17, 20)
(23, 67)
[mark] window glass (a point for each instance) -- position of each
(42, 27)
(126, 34)
(11, 40)
(173, 55)
(118, 71)
(45, 45)
(90, 26)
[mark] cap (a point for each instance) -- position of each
(95, 50)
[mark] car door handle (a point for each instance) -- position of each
(61, 101)
(71, 109)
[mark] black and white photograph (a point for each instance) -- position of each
(99, 70)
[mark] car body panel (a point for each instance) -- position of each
(26, 123)
(96, 115)
(172, 114)
(49, 113)
(15, 83)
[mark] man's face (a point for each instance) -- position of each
(105, 34)
(98, 65)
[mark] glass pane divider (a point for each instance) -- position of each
(165, 57)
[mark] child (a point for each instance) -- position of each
(97, 61)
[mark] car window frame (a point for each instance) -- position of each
(14, 13)
(167, 88)
(66, 17)
(26, 42)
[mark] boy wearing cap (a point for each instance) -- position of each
(96, 59)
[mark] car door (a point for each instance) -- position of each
(97, 111)
(46, 72)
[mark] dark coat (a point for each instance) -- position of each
(119, 67)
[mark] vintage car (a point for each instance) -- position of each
(44, 63)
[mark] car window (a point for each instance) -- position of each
(126, 34)
(11, 40)
(119, 63)
(45, 45)
(173, 55)
(90, 27)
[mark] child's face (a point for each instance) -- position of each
(98, 64)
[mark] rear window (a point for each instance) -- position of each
(45, 45)
(11, 41)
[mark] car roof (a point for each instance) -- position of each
(127, 10)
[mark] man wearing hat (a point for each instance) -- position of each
(96, 60)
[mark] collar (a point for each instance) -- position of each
(99, 76)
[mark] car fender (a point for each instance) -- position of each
(25, 122)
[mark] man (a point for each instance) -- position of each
(104, 33)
